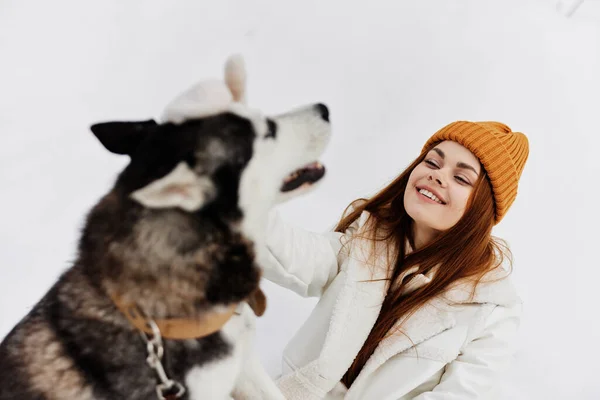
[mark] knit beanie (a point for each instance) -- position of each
(501, 151)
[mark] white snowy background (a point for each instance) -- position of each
(392, 72)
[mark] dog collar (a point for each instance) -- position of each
(187, 328)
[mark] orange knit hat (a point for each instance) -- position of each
(502, 153)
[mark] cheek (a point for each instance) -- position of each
(460, 199)
(410, 194)
(417, 174)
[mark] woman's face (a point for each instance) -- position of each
(439, 187)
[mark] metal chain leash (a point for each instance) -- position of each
(167, 389)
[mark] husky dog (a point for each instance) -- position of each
(161, 299)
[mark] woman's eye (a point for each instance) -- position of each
(431, 163)
(462, 180)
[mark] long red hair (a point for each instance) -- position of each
(466, 251)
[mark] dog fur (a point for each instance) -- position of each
(178, 235)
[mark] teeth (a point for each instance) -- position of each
(294, 175)
(430, 195)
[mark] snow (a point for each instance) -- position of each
(392, 73)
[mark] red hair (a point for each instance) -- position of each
(466, 251)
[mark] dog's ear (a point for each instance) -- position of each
(235, 77)
(123, 137)
(181, 188)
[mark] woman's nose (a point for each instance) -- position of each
(436, 179)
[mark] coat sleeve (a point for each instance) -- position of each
(474, 373)
(300, 260)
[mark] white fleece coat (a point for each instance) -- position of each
(454, 348)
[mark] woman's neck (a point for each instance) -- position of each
(422, 235)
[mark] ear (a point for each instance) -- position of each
(180, 188)
(235, 78)
(203, 99)
(122, 137)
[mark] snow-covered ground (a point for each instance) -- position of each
(392, 73)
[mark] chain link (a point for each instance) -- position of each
(154, 345)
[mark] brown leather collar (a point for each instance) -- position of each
(187, 328)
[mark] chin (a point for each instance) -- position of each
(425, 219)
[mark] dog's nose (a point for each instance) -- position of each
(323, 110)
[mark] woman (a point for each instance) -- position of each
(414, 302)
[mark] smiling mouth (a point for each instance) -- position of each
(307, 175)
(430, 196)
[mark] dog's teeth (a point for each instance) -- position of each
(292, 176)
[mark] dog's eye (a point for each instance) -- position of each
(271, 129)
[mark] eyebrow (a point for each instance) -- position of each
(459, 164)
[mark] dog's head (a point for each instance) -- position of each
(232, 161)
(210, 170)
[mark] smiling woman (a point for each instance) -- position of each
(440, 188)
(411, 280)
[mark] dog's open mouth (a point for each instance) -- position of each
(308, 174)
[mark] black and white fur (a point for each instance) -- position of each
(178, 234)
